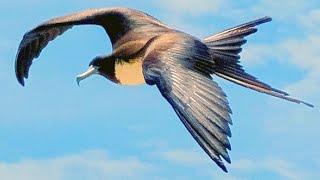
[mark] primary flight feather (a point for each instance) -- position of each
(180, 65)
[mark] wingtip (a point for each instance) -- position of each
(295, 100)
(268, 18)
(307, 104)
(21, 81)
(223, 167)
(262, 20)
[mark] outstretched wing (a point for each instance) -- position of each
(116, 21)
(170, 63)
(30, 47)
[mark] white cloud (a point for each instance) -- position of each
(87, 165)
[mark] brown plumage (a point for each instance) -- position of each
(180, 65)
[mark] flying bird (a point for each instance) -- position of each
(144, 50)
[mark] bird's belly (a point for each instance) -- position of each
(129, 73)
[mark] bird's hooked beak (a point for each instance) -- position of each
(92, 70)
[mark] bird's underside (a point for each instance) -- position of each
(180, 65)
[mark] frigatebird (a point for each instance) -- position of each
(147, 51)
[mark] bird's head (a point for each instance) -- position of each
(102, 65)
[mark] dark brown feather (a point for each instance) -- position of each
(225, 48)
(171, 62)
(123, 26)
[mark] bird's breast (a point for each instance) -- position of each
(129, 72)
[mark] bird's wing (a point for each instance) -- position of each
(198, 101)
(116, 22)
(31, 46)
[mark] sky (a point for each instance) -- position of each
(52, 129)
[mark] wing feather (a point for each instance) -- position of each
(31, 46)
(116, 22)
(198, 101)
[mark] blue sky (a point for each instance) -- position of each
(53, 129)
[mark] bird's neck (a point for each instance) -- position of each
(107, 68)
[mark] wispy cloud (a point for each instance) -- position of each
(86, 165)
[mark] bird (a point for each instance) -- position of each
(181, 66)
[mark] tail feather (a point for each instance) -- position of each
(234, 41)
(270, 91)
(225, 56)
(225, 47)
(233, 75)
(241, 30)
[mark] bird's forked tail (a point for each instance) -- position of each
(225, 47)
